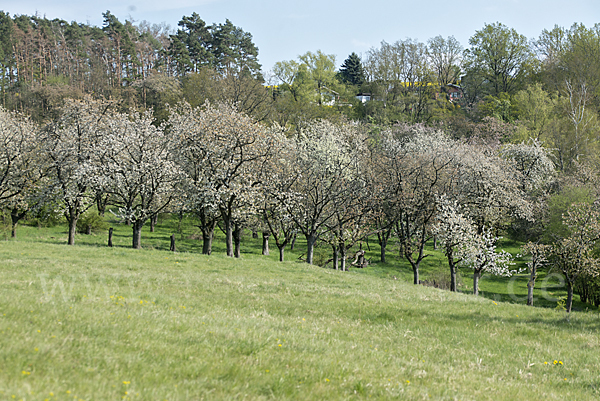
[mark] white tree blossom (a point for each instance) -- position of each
(137, 170)
(224, 151)
(483, 257)
(71, 146)
(455, 232)
(323, 164)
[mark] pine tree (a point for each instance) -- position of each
(352, 71)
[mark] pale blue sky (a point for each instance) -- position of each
(282, 30)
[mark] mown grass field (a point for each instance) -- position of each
(94, 323)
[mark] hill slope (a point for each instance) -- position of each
(94, 323)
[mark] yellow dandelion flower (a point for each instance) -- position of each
(408, 382)
(560, 362)
(545, 363)
(326, 379)
(555, 361)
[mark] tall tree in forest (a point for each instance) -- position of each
(445, 57)
(500, 57)
(122, 47)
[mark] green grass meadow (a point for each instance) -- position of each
(88, 322)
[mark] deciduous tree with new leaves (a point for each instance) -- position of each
(539, 258)
(574, 255)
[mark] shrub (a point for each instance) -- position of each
(91, 222)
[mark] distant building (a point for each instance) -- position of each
(363, 97)
(454, 92)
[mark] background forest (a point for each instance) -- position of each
(412, 141)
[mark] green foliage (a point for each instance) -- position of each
(45, 216)
(91, 222)
(558, 204)
(499, 107)
(223, 47)
(500, 58)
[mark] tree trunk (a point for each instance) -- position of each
(310, 248)
(342, 248)
(265, 243)
(569, 296)
(255, 234)
(293, 242)
(530, 286)
(281, 250)
(72, 230)
(451, 264)
(476, 276)
(383, 244)
(110, 234)
(172, 247)
(237, 238)
(228, 237)
(383, 239)
(101, 204)
(15, 217)
(415, 274)
(137, 234)
(336, 258)
(153, 221)
(207, 239)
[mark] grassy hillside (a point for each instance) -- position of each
(93, 323)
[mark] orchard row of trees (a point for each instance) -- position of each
(334, 183)
(460, 144)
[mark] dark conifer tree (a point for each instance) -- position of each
(352, 71)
